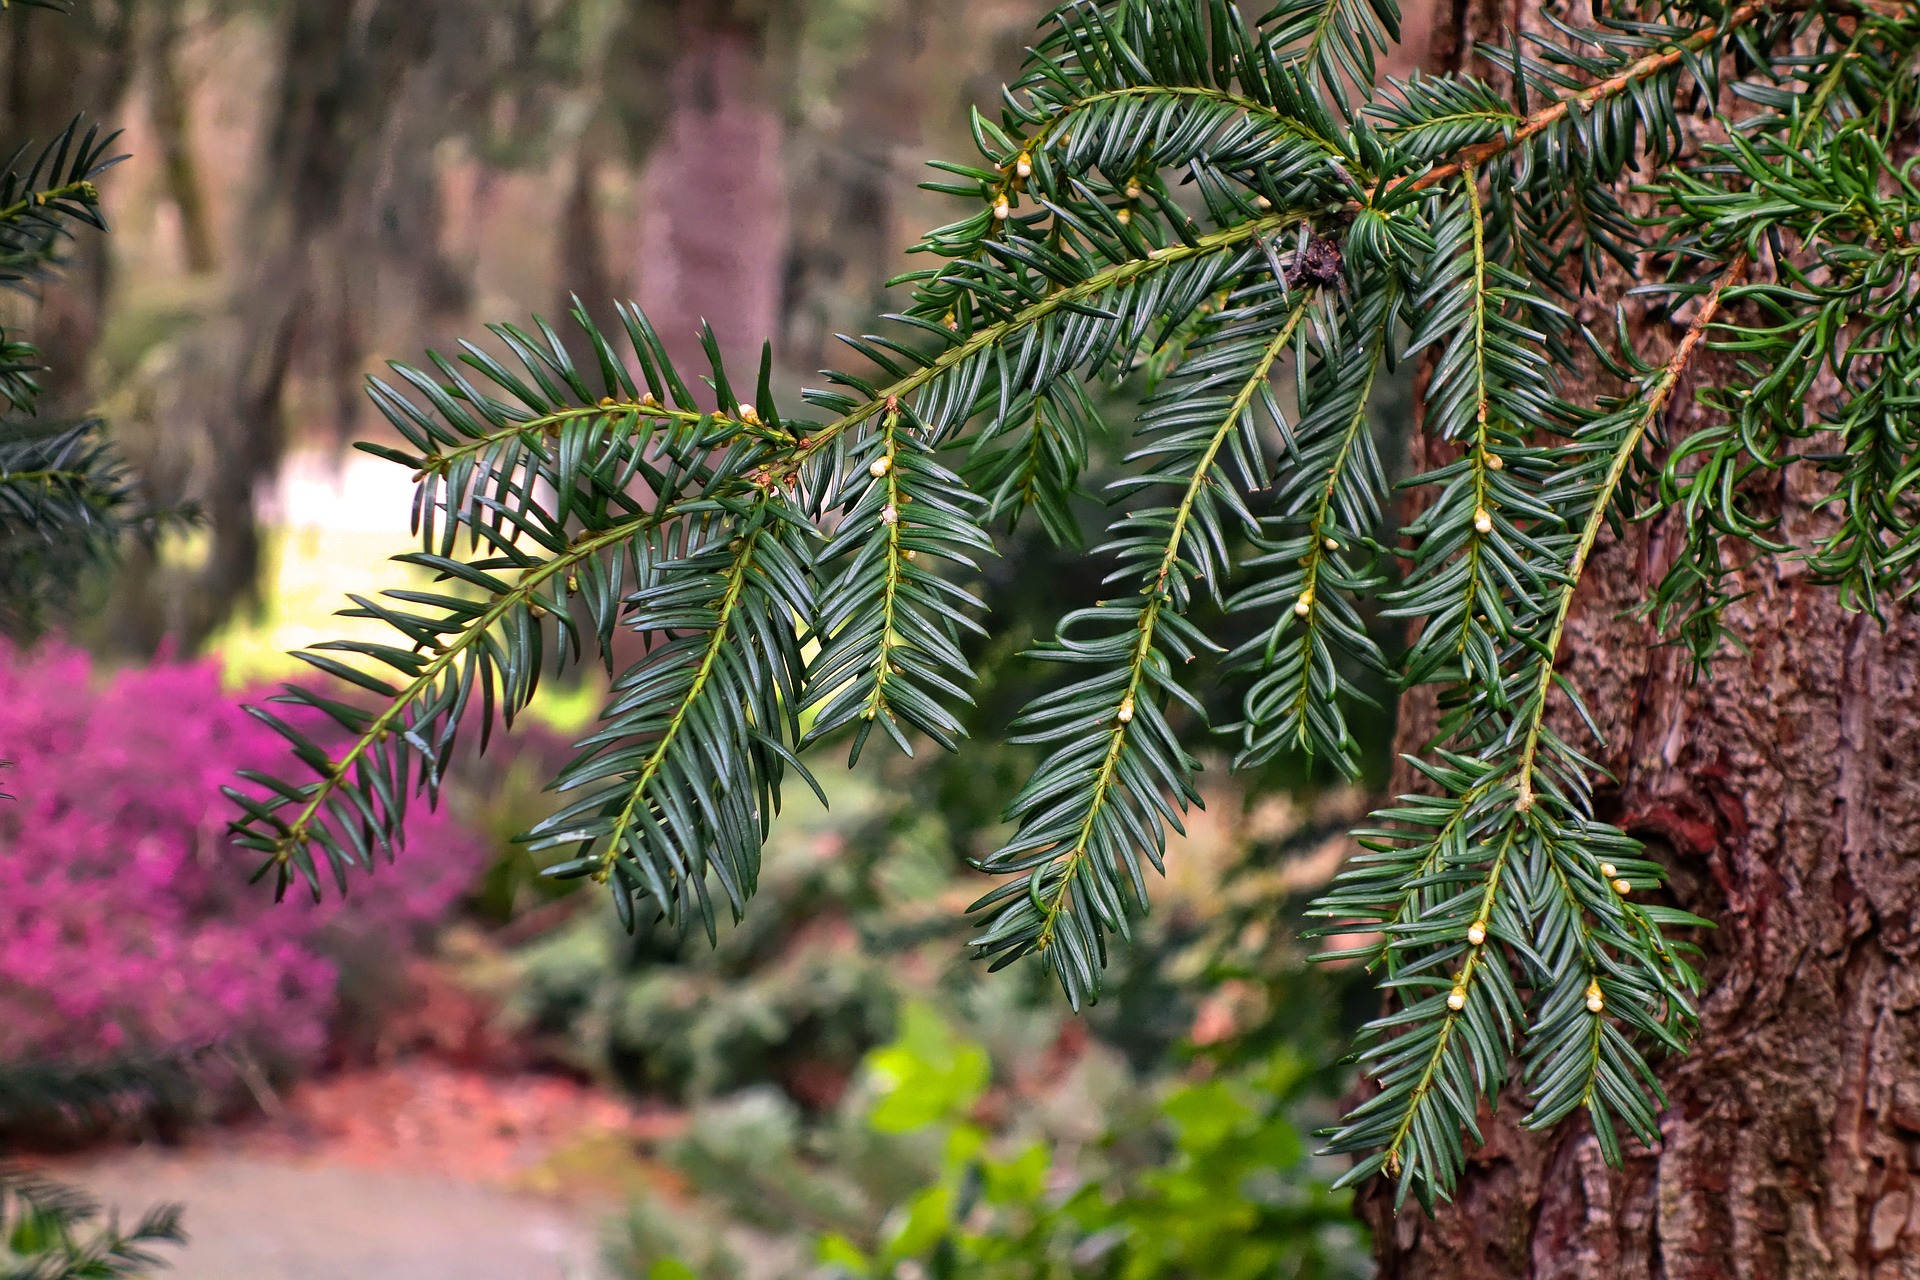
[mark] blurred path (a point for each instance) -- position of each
(254, 1218)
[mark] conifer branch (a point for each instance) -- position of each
(1622, 82)
(1652, 401)
(783, 565)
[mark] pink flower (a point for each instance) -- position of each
(126, 919)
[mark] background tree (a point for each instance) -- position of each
(1187, 204)
(66, 500)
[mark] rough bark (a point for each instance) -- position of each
(1782, 794)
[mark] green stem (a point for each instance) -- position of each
(716, 642)
(1318, 535)
(1654, 398)
(883, 665)
(1435, 848)
(549, 423)
(1157, 595)
(84, 189)
(1039, 139)
(522, 593)
(1109, 277)
(1462, 984)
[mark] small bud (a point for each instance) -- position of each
(1622, 888)
(1125, 215)
(1304, 605)
(1608, 870)
(573, 580)
(1024, 165)
(1457, 999)
(1126, 710)
(748, 415)
(1595, 1000)
(648, 402)
(880, 466)
(1001, 209)
(1133, 191)
(912, 554)
(1494, 462)
(1482, 521)
(951, 321)
(1331, 544)
(889, 514)
(1476, 933)
(1261, 202)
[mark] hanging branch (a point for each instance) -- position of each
(1231, 222)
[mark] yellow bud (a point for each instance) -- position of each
(1494, 462)
(1622, 887)
(1133, 191)
(1304, 605)
(880, 466)
(1126, 709)
(1125, 215)
(1476, 933)
(1024, 165)
(889, 514)
(1457, 999)
(1001, 209)
(1482, 521)
(1332, 544)
(1608, 870)
(747, 414)
(1595, 1000)
(1262, 202)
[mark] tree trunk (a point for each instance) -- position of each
(1781, 794)
(170, 102)
(714, 190)
(59, 66)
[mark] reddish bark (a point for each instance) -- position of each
(1782, 794)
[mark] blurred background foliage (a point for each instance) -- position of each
(317, 185)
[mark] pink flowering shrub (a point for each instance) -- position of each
(127, 923)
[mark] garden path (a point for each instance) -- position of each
(257, 1217)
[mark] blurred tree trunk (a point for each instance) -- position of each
(714, 190)
(1781, 793)
(58, 67)
(169, 101)
(343, 71)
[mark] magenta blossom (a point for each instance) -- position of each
(127, 922)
